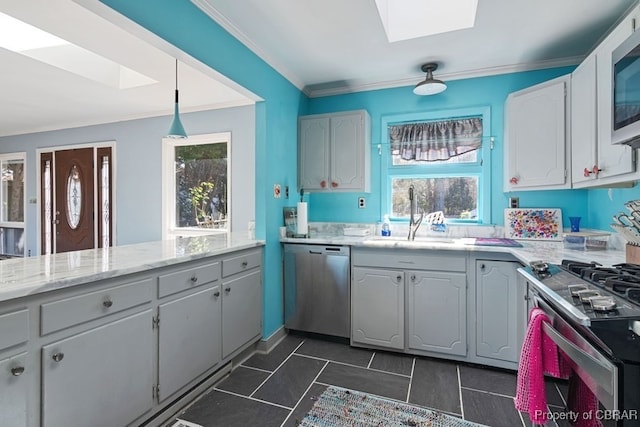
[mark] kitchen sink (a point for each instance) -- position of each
(418, 240)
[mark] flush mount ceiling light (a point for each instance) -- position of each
(429, 86)
(176, 130)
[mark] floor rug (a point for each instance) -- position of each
(339, 407)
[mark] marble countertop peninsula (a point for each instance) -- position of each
(21, 277)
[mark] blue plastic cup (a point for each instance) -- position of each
(575, 223)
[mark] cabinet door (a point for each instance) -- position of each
(377, 307)
(583, 121)
(437, 312)
(497, 308)
(13, 391)
(99, 378)
(241, 311)
(613, 160)
(313, 152)
(189, 339)
(535, 149)
(347, 152)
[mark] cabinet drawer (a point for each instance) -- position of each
(241, 262)
(14, 328)
(83, 308)
(187, 278)
(409, 259)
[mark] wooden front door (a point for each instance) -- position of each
(74, 214)
(74, 200)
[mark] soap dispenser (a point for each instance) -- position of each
(386, 229)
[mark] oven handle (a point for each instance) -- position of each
(597, 372)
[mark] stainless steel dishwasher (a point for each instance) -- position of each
(316, 289)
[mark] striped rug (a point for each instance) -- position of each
(339, 407)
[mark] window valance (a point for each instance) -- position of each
(436, 141)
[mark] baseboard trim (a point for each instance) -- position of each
(268, 344)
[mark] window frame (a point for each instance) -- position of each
(480, 169)
(169, 229)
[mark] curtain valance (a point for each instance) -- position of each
(438, 140)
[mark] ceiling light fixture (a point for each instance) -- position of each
(176, 130)
(429, 86)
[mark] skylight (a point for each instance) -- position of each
(410, 19)
(25, 39)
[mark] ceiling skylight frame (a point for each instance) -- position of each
(410, 19)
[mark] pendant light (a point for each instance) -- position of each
(429, 86)
(176, 130)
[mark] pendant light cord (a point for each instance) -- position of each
(176, 80)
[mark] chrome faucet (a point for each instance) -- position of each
(413, 224)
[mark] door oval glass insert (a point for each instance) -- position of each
(74, 197)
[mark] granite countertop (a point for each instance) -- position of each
(548, 251)
(21, 277)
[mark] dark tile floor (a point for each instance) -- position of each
(277, 389)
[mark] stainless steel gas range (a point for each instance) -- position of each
(594, 314)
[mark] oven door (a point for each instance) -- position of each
(597, 372)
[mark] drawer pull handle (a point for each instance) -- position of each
(107, 303)
(194, 278)
(57, 357)
(17, 371)
(216, 294)
(244, 264)
(227, 290)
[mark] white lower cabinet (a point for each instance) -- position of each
(500, 310)
(437, 311)
(13, 391)
(188, 339)
(100, 378)
(241, 310)
(377, 307)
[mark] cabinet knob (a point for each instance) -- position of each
(227, 290)
(107, 303)
(413, 277)
(244, 264)
(334, 184)
(586, 172)
(323, 184)
(57, 357)
(513, 180)
(398, 278)
(216, 294)
(482, 266)
(194, 278)
(17, 371)
(596, 170)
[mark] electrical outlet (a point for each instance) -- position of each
(514, 202)
(362, 203)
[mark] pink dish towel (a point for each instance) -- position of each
(539, 356)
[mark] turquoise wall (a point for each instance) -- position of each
(182, 24)
(488, 92)
(604, 203)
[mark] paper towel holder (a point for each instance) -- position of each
(290, 215)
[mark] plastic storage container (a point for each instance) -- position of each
(586, 240)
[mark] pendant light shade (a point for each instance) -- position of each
(429, 86)
(176, 130)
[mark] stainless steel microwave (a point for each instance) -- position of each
(626, 92)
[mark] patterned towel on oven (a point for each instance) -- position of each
(539, 356)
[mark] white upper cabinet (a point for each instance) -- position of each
(595, 161)
(334, 152)
(536, 132)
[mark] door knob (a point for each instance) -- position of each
(57, 357)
